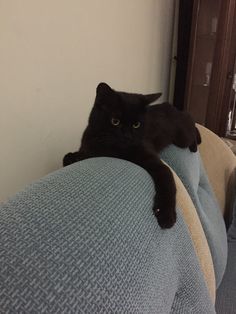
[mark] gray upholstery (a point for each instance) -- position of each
(226, 293)
(84, 240)
(189, 168)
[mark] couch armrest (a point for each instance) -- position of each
(85, 239)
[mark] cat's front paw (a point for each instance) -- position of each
(165, 214)
(193, 147)
(166, 220)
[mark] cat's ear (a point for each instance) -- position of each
(104, 89)
(104, 94)
(148, 99)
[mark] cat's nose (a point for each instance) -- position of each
(128, 135)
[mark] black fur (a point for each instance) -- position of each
(141, 133)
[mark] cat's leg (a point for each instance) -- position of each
(193, 147)
(198, 136)
(165, 197)
(71, 158)
(187, 138)
(197, 141)
(182, 138)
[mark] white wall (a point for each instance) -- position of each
(53, 53)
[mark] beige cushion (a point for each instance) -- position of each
(219, 162)
(197, 234)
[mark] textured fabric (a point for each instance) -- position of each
(219, 162)
(197, 234)
(232, 229)
(225, 298)
(84, 240)
(226, 301)
(189, 168)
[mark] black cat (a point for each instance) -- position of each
(123, 125)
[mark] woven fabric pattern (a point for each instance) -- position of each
(189, 168)
(225, 301)
(225, 297)
(84, 240)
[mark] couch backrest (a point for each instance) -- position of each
(84, 239)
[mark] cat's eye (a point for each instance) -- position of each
(115, 122)
(136, 125)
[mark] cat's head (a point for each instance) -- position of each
(119, 113)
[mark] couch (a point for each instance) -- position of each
(84, 239)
